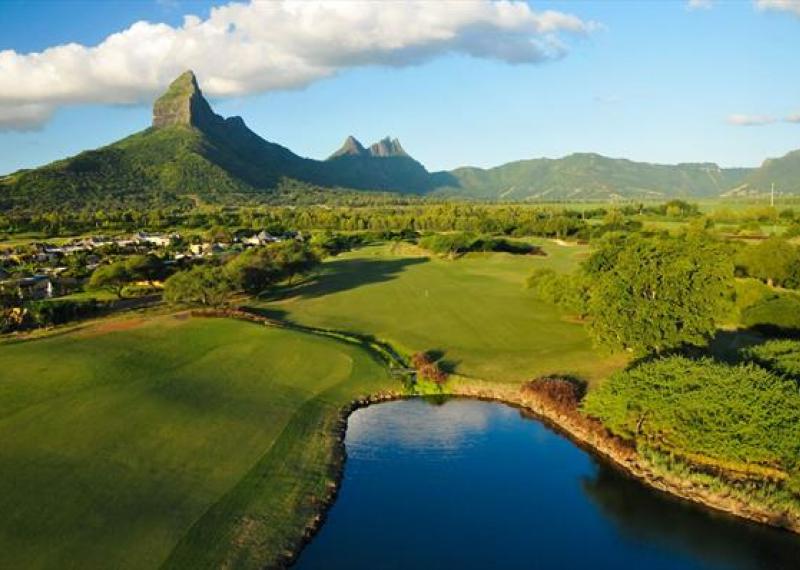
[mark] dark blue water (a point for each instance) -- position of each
(470, 484)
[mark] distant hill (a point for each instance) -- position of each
(784, 172)
(592, 177)
(190, 152)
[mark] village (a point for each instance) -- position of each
(41, 270)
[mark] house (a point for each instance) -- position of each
(158, 240)
(31, 288)
(261, 238)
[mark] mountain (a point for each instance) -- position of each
(783, 172)
(384, 165)
(350, 147)
(591, 177)
(189, 151)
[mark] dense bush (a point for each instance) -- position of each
(569, 291)
(780, 313)
(774, 261)
(782, 356)
(728, 413)
(455, 244)
(55, 312)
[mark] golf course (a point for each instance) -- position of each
(168, 440)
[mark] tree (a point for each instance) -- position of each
(293, 258)
(254, 270)
(112, 278)
(145, 267)
(774, 261)
(207, 285)
(650, 295)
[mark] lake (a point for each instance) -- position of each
(473, 484)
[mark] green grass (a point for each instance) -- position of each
(131, 442)
(475, 309)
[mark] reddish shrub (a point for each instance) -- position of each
(427, 368)
(562, 393)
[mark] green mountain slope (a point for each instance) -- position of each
(191, 151)
(783, 172)
(590, 177)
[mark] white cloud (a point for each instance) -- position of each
(750, 120)
(261, 46)
(793, 118)
(699, 4)
(779, 5)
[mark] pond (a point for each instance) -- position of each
(473, 484)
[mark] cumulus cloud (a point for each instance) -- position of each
(792, 6)
(793, 118)
(750, 120)
(261, 46)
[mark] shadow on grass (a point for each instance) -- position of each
(346, 274)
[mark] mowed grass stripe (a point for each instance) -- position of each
(115, 444)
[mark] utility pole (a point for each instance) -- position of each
(772, 196)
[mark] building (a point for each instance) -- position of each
(261, 238)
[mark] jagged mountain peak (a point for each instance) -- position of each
(183, 104)
(387, 146)
(350, 147)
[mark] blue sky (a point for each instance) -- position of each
(652, 81)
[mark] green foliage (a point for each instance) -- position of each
(568, 291)
(781, 356)
(206, 285)
(774, 261)
(750, 292)
(779, 312)
(728, 413)
(455, 244)
(145, 267)
(111, 277)
(55, 312)
(651, 295)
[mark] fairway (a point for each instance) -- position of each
(475, 309)
(128, 438)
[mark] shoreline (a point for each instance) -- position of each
(600, 444)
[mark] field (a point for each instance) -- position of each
(475, 310)
(128, 443)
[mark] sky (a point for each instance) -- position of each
(468, 82)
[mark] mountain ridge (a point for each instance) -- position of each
(189, 150)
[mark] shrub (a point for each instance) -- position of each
(740, 413)
(428, 369)
(781, 356)
(562, 393)
(57, 312)
(779, 313)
